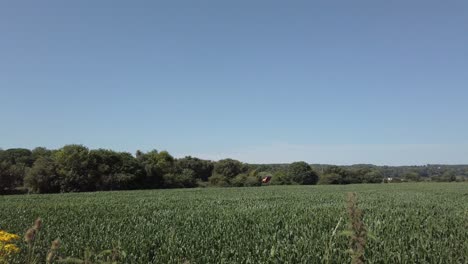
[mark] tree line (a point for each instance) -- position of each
(75, 168)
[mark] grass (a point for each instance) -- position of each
(409, 223)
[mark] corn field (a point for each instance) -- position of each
(405, 223)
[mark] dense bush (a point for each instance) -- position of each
(229, 168)
(219, 180)
(43, 176)
(280, 178)
(331, 178)
(296, 173)
(245, 180)
(202, 169)
(301, 173)
(184, 179)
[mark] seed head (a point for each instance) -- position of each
(55, 244)
(38, 224)
(30, 235)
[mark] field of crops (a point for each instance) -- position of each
(409, 223)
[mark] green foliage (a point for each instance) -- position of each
(331, 178)
(8, 179)
(72, 162)
(372, 176)
(239, 180)
(280, 178)
(75, 168)
(252, 181)
(13, 167)
(219, 181)
(412, 176)
(17, 156)
(41, 152)
(411, 222)
(448, 176)
(156, 165)
(229, 168)
(334, 175)
(355, 174)
(119, 181)
(184, 179)
(246, 180)
(43, 176)
(301, 173)
(112, 170)
(202, 168)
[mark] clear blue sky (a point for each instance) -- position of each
(342, 82)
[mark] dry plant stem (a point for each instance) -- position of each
(30, 237)
(358, 237)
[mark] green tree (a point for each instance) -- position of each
(156, 165)
(184, 179)
(219, 181)
(41, 152)
(336, 175)
(252, 180)
(43, 176)
(301, 173)
(229, 168)
(14, 164)
(202, 168)
(73, 168)
(7, 178)
(17, 156)
(280, 178)
(110, 170)
(449, 175)
(411, 176)
(372, 176)
(246, 180)
(330, 178)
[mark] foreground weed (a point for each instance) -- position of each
(30, 238)
(331, 243)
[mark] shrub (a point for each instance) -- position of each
(184, 179)
(119, 181)
(280, 178)
(301, 173)
(43, 177)
(229, 168)
(244, 180)
(218, 180)
(239, 180)
(251, 181)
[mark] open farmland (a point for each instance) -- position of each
(410, 223)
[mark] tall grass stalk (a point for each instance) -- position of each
(331, 243)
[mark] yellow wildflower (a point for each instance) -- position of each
(8, 249)
(7, 237)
